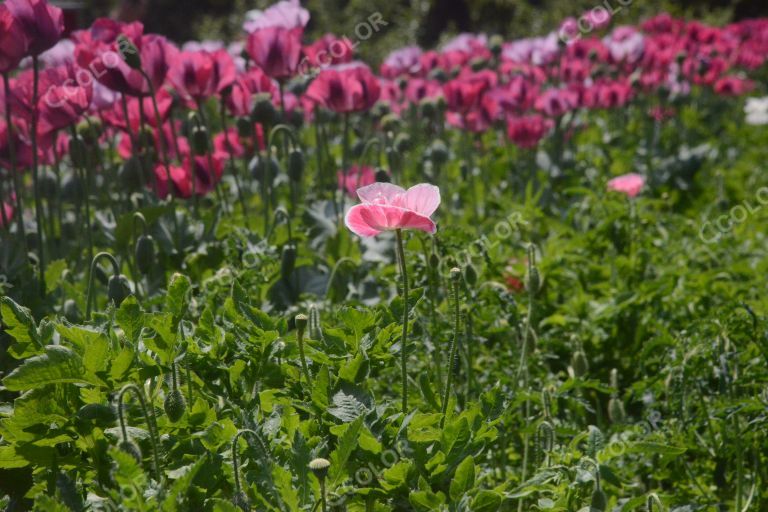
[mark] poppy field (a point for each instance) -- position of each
(502, 274)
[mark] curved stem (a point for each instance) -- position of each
(334, 271)
(14, 172)
(150, 423)
(94, 261)
(138, 216)
(404, 336)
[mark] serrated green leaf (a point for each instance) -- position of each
(18, 323)
(346, 444)
(59, 365)
(464, 478)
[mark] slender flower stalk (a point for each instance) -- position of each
(89, 294)
(12, 161)
(35, 177)
(150, 423)
(404, 335)
(320, 468)
(233, 163)
(241, 499)
(453, 353)
(301, 326)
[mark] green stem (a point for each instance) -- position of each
(35, 177)
(150, 423)
(14, 172)
(404, 336)
(232, 162)
(304, 367)
(454, 346)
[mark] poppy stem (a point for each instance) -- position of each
(35, 177)
(455, 278)
(404, 337)
(14, 171)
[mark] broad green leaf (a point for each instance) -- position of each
(53, 274)
(346, 444)
(130, 317)
(176, 298)
(464, 478)
(18, 323)
(486, 501)
(58, 365)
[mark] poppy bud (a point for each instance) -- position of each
(470, 275)
(382, 176)
(78, 151)
(263, 110)
(118, 289)
(199, 140)
(288, 262)
(428, 107)
(131, 175)
(128, 52)
(240, 500)
(244, 127)
(71, 311)
(533, 281)
(174, 405)
(599, 501)
(402, 142)
(438, 152)
(390, 122)
(131, 449)
(579, 363)
(495, 44)
(438, 74)
(478, 64)
(616, 410)
(434, 260)
(455, 274)
(145, 254)
(296, 164)
(320, 468)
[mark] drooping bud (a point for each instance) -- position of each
(145, 254)
(579, 363)
(174, 404)
(288, 261)
(118, 289)
(296, 164)
(128, 52)
(264, 111)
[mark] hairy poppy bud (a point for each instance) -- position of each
(599, 501)
(78, 151)
(438, 152)
(402, 142)
(390, 122)
(320, 467)
(616, 410)
(129, 52)
(244, 127)
(495, 44)
(288, 262)
(118, 289)
(264, 111)
(131, 449)
(296, 164)
(174, 405)
(199, 140)
(382, 176)
(71, 311)
(145, 253)
(579, 363)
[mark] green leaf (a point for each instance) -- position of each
(9, 459)
(463, 479)
(130, 317)
(396, 476)
(176, 298)
(121, 364)
(58, 365)
(426, 500)
(347, 443)
(18, 322)
(53, 274)
(486, 501)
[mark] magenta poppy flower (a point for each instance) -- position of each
(630, 184)
(276, 50)
(239, 101)
(7, 213)
(286, 14)
(327, 51)
(405, 61)
(41, 23)
(345, 88)
(98, 52)
(197, 76)
(527, 131)
(387, 207)
(13, 42)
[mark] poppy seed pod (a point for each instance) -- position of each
(616, 410)
(200, 140)
(71, 311)
(470, 275)
(455, 274)
(390, 122)
(302, 321)
(599, 501)
(320, 467)
(402, 142)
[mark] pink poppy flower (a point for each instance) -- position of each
(13, 42)
(276, 50)
(41, 23)
(527, 131)
(630, 184)
(345, 88)
(356, 177)
(197, 76)
(387, 207)
(8, 208)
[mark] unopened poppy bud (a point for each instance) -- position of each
(199, 140)
(131, 449)
(382, 176)
(320, 467)
(616, 411)
(438, 74)
(438, 152)
(428, 107)
(599, 501)
(49, 187)
(302, 321)
(72, 189)
(402, 142)
(496, 44)
(455, 274)
(128, 52)
(579, 363)
(288, 261)
(244, 127)
(533, 280)
(390, 122)
(78, 151)
(175, 404)
(296, 165)
(118, 289)
(264, 111)
(145, 254)
(470, 275)
(71, 311)
(478, 64)
(434, 260)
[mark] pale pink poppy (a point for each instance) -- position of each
(387, 207)
(630, 184)
(355, 177)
